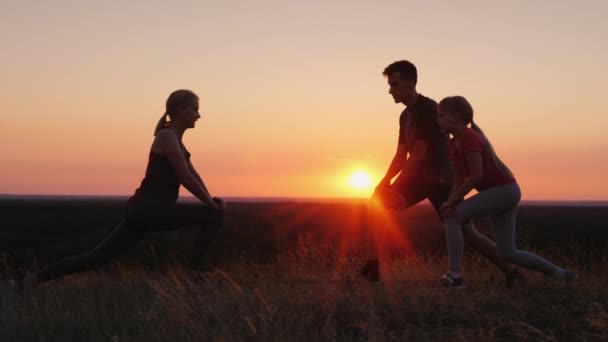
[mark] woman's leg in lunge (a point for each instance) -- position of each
(209, 230)
(123, 237)
(203, 221)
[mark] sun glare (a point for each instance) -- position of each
(360, 180)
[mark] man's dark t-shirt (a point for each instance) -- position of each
(419, 122)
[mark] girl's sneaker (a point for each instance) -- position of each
(451, 282)
(514, 276)
(569, 276)
(16, 283)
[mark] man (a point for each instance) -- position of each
(422, 165)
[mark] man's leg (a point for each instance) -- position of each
(378, 214)
(384, 205)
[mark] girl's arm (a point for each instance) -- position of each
(461, 188)
(172, 149)
(474, 165)
(457, 181)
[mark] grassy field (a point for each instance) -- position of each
(288, 272)
(309, 294)
(44, 230)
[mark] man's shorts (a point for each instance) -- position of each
(405, 192)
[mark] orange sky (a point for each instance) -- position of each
(292, 96)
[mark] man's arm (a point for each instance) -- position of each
(401, 162)
(417, 155)
(396, 165)
(427, 131)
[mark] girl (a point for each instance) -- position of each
(478, 167)
(153, 206)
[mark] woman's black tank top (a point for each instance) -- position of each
(160, 184)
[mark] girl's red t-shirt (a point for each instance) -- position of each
(472, 141)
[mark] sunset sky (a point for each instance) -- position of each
(292, 94)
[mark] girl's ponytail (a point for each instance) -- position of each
(459, 106)
(501, 166)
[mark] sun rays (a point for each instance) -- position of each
(347, 233)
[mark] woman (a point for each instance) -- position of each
(153, 206)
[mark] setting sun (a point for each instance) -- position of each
(360, 180)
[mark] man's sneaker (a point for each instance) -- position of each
(514, 276)
(452, 283)
(371, 271)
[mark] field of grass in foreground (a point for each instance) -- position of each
(309, 294)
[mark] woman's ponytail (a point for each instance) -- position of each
(180, 98)
(162, 123)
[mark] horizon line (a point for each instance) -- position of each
(274, 198)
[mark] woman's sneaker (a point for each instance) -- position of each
(451, 282)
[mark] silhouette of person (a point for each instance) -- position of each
(423, 169)
(153, 205)
(478, 167)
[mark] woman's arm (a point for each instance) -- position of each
(218, 201)
(196, 175)
(168, 142)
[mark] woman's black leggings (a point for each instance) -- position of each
(133, 228)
